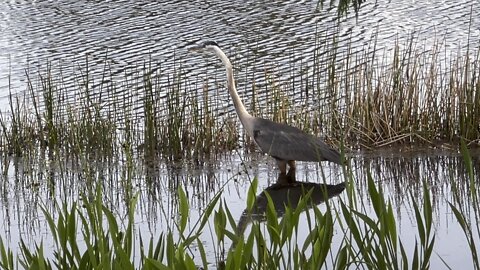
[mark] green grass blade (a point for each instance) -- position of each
(184, 209)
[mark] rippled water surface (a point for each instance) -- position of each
(119, 37)
(399, 173)
(279, 34)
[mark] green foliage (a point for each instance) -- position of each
(367, 240)
(6, 257)
(374, 242)
(461, 209)
(364, 99)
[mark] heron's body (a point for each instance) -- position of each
(287, 143)
(283, 142)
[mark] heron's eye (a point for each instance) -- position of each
(256, 133)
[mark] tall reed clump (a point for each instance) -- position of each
(410, 96)
(165, 115)
(414, 94)
(19, 133)
(42, 118)
(179, 121)
(74, 129)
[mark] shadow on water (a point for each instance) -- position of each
(287, 195)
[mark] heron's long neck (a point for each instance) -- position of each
(237, 102)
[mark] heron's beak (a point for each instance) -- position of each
(196, 49)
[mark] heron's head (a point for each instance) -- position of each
(205, 46)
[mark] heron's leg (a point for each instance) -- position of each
(282, 165)
(291, 172)
(291, 164)
(282, 179)
(282, 176)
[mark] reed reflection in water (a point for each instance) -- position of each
(29, 183)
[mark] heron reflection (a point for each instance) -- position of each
(284, 196)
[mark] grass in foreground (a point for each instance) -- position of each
(87, 235)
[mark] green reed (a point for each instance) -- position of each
(366, 241)
(362, 98)
(410, 98)
(178, 121)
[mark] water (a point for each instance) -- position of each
(259, 36)
(399, 175)
(274, 35)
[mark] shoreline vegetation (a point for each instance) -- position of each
(408, 97)
(361, 102)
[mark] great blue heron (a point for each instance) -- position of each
(285, 143)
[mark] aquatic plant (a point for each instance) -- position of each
(412, 98)
(361, 98)
(365, 240)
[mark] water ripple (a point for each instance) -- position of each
(280, 34)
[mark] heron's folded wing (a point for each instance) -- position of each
(290, 143)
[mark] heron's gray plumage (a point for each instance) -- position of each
(290, 143)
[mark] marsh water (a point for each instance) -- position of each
(277, 37)
(259, 36)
